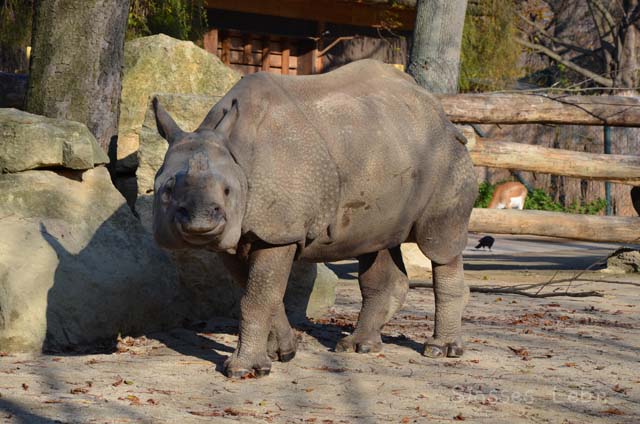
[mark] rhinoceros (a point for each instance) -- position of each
(348, 164)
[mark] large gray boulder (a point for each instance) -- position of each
(417, 264)
(624, 260)
(76, 267)
(32, 141)
(311, 290)
(162, 64)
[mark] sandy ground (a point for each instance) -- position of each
(557, 359)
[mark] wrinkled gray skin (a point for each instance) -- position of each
(347, 164)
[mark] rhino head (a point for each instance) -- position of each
(200, 191)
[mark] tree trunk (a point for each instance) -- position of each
(76, 64)
(437, 39)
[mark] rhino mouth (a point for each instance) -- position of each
(202, 237)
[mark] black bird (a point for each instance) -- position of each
(486, 241)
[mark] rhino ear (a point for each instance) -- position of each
(229, 119)
(167, 127)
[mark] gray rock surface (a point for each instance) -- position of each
(76, 267)
(623, 260)
(416, 263)
(33, 141)
(162, 64)
(311, 288)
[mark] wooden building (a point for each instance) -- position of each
(302, 37)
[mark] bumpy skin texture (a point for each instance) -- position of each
(347, 164)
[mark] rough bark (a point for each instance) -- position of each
(555, 224)
(76, 65)
(615, 111)
(437, 39)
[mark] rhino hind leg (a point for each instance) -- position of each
(451, 296)
(384, 286)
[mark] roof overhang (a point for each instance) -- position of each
(399, 14)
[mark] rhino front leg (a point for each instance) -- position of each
(269, 270)
(282, 342)
(384, 285)
(451, 295)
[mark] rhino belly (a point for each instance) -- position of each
(367, 221)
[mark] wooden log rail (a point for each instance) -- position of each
(497, 108)
(616, 229)
(504, 154)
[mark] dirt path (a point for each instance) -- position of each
(559, 360)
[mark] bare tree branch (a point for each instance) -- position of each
(609, 48)
(605, 14)
(606, 82)
(557, 40)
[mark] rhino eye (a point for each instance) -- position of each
(168, 189)
(226, 191)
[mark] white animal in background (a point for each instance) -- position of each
(509, 196)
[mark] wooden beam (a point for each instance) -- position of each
(525, 157)
(247, 55)
(226, 49)
(210, 41)
(319, 44)
(615, 229)
(285, 58)
(266, 53)
(336, 11)
(615, 111)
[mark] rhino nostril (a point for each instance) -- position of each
(182, 214)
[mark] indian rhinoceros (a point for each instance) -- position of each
(349, 164)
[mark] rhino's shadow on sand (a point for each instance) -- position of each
(65, 335)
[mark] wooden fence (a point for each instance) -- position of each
(540, 109)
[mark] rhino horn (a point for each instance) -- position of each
(167, 127)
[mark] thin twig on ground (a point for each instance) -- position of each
(509, 290)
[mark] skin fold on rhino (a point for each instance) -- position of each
(348, 164)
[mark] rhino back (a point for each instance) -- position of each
(350, 159)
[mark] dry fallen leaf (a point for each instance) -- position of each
(521, 352)
(231, 411)
(612, 411)
(459, 417)
(619, 389)
(135, 400)
(79, 390)
(213, 413)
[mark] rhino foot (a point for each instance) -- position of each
(360, 344)
(439, 348)
(235, 367)
(282, 348)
